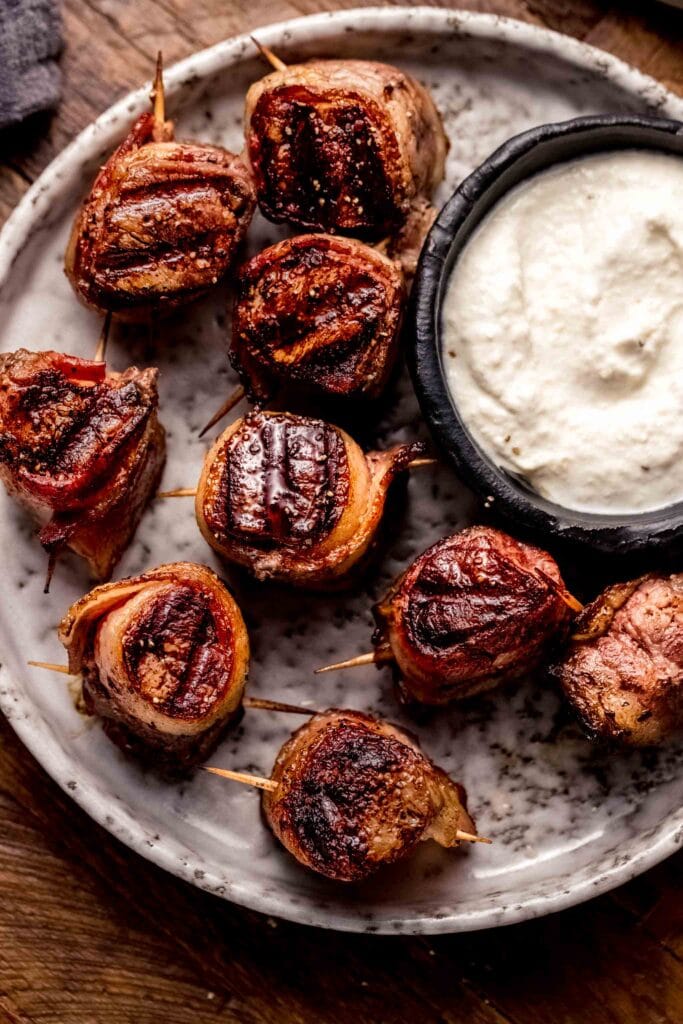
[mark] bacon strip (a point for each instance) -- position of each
(355, 793)
(80, 449)
(320, 312)
(623, 669)
(343, 146)
(161, 225)
(293, 498)
(163, 658)
(473, 611)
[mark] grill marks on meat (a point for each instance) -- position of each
(623, 670)
(321, 311)
(294, 498)
(343, 145)
(355, 793)
(284, 482)
(321, 162)
(474, 610)
(164, 658)
(173, 654)
(61, 433)
(80, 449)
(161, 225)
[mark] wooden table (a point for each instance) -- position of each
(92, 934)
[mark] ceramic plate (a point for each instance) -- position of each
(568, 821)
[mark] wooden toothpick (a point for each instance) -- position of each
(191, 492)
(230, 402)
(179, 492)
(362, 659)
(248, 780)
(101, 350)
(257, 703)
(157, 96)
(265, 51)
(51, 667)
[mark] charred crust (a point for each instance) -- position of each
(325, 161)
(177, 655)
(332, 796)
(321, 311)
(475, 610)
(161, 225)
(62, 433)
(283, 484)
(476, 594)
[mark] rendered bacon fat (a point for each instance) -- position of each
(623, 670)
(294, 498)
(81, 449)
(164, 659)
(355, 793)
(343, 145)
(318, 311)
(475, 610)
(161, 225)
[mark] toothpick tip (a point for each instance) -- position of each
(470, 837)
(230, 402)
(265, 51)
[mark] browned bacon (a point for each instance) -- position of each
(623, 669)
(161, 225)
(294, 498)
(343, 146)
(320, 312)
(355, 793)
(475, 610)
(164, 659)
(81, 449)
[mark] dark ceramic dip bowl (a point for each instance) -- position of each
(641, 534)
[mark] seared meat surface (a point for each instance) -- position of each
(623, 670)
(319, 311)
(161, 225)
(355, 793)
(475, 610)
(343, 146)
(293, 498)
(81, 449)
(164, 659)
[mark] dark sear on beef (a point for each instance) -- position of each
(294, 498)
(623, 669)
(356, 793)
(163, 658)
(317, 311)
(343, 146)
(81, 449)
(161, 225)
(475, 610)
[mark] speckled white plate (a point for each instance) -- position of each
(568, 820)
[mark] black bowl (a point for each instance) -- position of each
(640, 534)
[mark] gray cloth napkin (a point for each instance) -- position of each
(30, 40)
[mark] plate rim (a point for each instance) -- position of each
(36, 732)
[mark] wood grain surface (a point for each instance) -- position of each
(92, 934)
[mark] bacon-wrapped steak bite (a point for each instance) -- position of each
(81, 449)
(293, 498)
(343, 145)
(163, 658)
(355, 793)
(318, 311)
(161, 224)
(473, 611)
(623, 670)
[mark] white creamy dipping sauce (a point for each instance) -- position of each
(563, 332)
